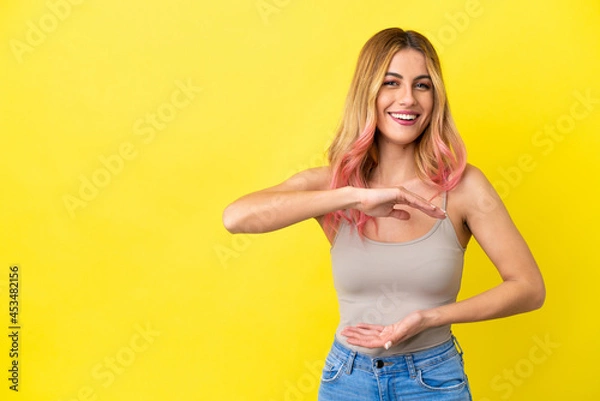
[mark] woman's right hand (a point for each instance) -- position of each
(385, 202)
(307, 194)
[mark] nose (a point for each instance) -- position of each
(406, 96)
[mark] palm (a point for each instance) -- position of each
(384, 202)
(376, 336)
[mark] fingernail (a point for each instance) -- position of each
(388, 345)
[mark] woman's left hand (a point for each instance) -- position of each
(376, 336)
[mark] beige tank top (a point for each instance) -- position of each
(382, 282)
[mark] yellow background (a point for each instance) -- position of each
(138, 292)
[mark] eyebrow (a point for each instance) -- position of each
(394, 74)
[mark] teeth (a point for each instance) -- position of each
(404, 116)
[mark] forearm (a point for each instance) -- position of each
(506, 299)
(271, 210)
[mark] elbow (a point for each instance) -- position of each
(538, 296)
(541, 298)
(230, 221)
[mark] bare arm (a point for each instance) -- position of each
(522, 288)
(307, 195)
(301, 197)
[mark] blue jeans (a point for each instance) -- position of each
(435, 373)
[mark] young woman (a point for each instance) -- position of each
(399, 204)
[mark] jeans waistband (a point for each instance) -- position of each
(408, 362)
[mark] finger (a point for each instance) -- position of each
(367, 343)
(362, 340)
(387, 330)
(361, 333)
(415, 201)
(370, 326)
(400, 214)
(361, 337)
(357, 331)
(428, 208)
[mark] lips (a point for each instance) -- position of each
(404, 117)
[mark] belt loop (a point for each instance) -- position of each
(460, 351)
(350, 362)
(411, 366)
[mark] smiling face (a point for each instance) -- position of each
(405, 100)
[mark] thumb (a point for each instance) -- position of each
(386, 334)
(400, 214)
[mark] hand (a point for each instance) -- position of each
(384, 202)
(377, 336)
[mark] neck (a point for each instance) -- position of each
(396, 165)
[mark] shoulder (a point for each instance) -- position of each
(472, 179)
(474, 194)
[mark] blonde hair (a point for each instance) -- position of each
(440, 155)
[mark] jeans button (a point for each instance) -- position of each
(379, 364)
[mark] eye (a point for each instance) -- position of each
(390, 83)
(422, 86)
